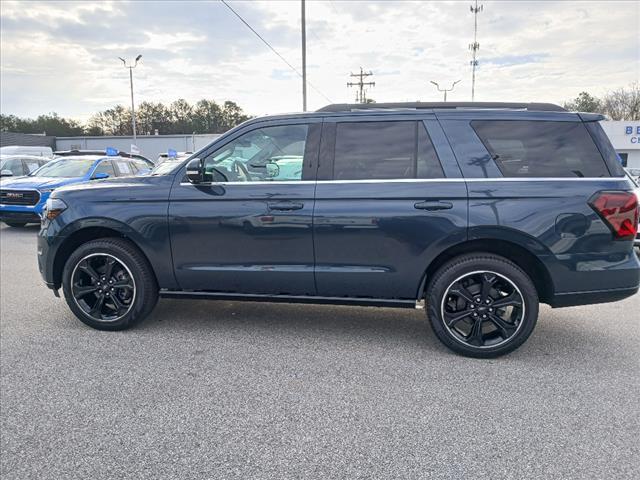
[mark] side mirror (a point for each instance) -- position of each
(195, 173)
(6, 173)
(100, 176)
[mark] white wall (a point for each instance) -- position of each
(150, 145)
(625, 138)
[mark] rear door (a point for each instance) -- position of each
(389, 198)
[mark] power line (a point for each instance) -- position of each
(274, 50)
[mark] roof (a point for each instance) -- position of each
(101, 153)
(349, 107)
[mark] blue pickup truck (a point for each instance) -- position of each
(23, 198)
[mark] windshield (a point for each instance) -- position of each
(65, 168)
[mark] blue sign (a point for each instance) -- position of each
(112, 152)
(629, 130)
(638, 130)
(172, 153)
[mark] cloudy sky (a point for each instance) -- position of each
(62, 56)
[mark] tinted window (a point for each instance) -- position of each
(384, 150)
(105, 167)
(541, 149)
(265, 154)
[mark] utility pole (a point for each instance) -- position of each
(445, 90)
(304, 58)
(474, 48)
(361, 96)
(133, 110)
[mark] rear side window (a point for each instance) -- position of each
(541, 148)
(384, 150)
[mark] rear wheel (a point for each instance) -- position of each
(16, 224)
(109, 285)
(482, 305)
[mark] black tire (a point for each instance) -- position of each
(131, 267)
(448, 293)
(16, 224)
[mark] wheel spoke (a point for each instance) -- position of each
(475, 335)
(506, 329)
(488, 279)
(97, 307)
(81, 291)
(510, 300)
(461, 290)
(118, 304)
(454, 317)
(109, 267)
(123, 284)
(88, 269)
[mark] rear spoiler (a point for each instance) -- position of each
(591, 117)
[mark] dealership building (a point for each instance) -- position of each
(625, 138)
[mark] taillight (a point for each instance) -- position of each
(619, 210)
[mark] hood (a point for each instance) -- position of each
(25, 183)
(116, 185)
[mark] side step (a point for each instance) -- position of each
(363, 302)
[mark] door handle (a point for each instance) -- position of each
(285, 206)
(433, 206)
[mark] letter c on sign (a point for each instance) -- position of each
(634, 139)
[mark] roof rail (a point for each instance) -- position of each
(351, 107)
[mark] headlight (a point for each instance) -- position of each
(54, 207)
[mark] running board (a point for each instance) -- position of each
(363, 302)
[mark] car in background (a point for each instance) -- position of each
(22, 199)
(172, 155)
(634, 173)
(27, 150)
(19, 165)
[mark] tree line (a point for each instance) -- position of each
(621, 104)
(178, 117)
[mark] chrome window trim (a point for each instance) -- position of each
(420, 180)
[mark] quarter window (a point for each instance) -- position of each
(105, 167)
(265, 154)
(541, 148)
(384, 150)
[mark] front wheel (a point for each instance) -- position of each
(109, 284)
(482, 305)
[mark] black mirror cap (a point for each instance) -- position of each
(194, 171)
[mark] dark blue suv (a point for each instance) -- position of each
(476, 212)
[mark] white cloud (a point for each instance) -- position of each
(63, 56)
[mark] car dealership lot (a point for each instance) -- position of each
(248, 390)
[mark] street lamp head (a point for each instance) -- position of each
(435, 83)
(138, 57)
(454, 83)
(123, 61)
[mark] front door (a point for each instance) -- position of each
(249, 228)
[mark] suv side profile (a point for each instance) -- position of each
(475, 212)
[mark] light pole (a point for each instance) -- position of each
(445, 90)
(303, 21)
(133, 109)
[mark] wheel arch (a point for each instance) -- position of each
(85, 233)
(514, 252)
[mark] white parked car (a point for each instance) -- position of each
(27, 150)
(19, 165)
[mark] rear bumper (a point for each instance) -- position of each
(571, 299)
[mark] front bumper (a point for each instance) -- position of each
(24, 213)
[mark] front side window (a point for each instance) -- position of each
(105, 167)
(14, 165)
(384, 150)
(541, 148)
(264, 154)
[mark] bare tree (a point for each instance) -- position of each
(623, 104)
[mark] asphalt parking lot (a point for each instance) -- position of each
(247, 390)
